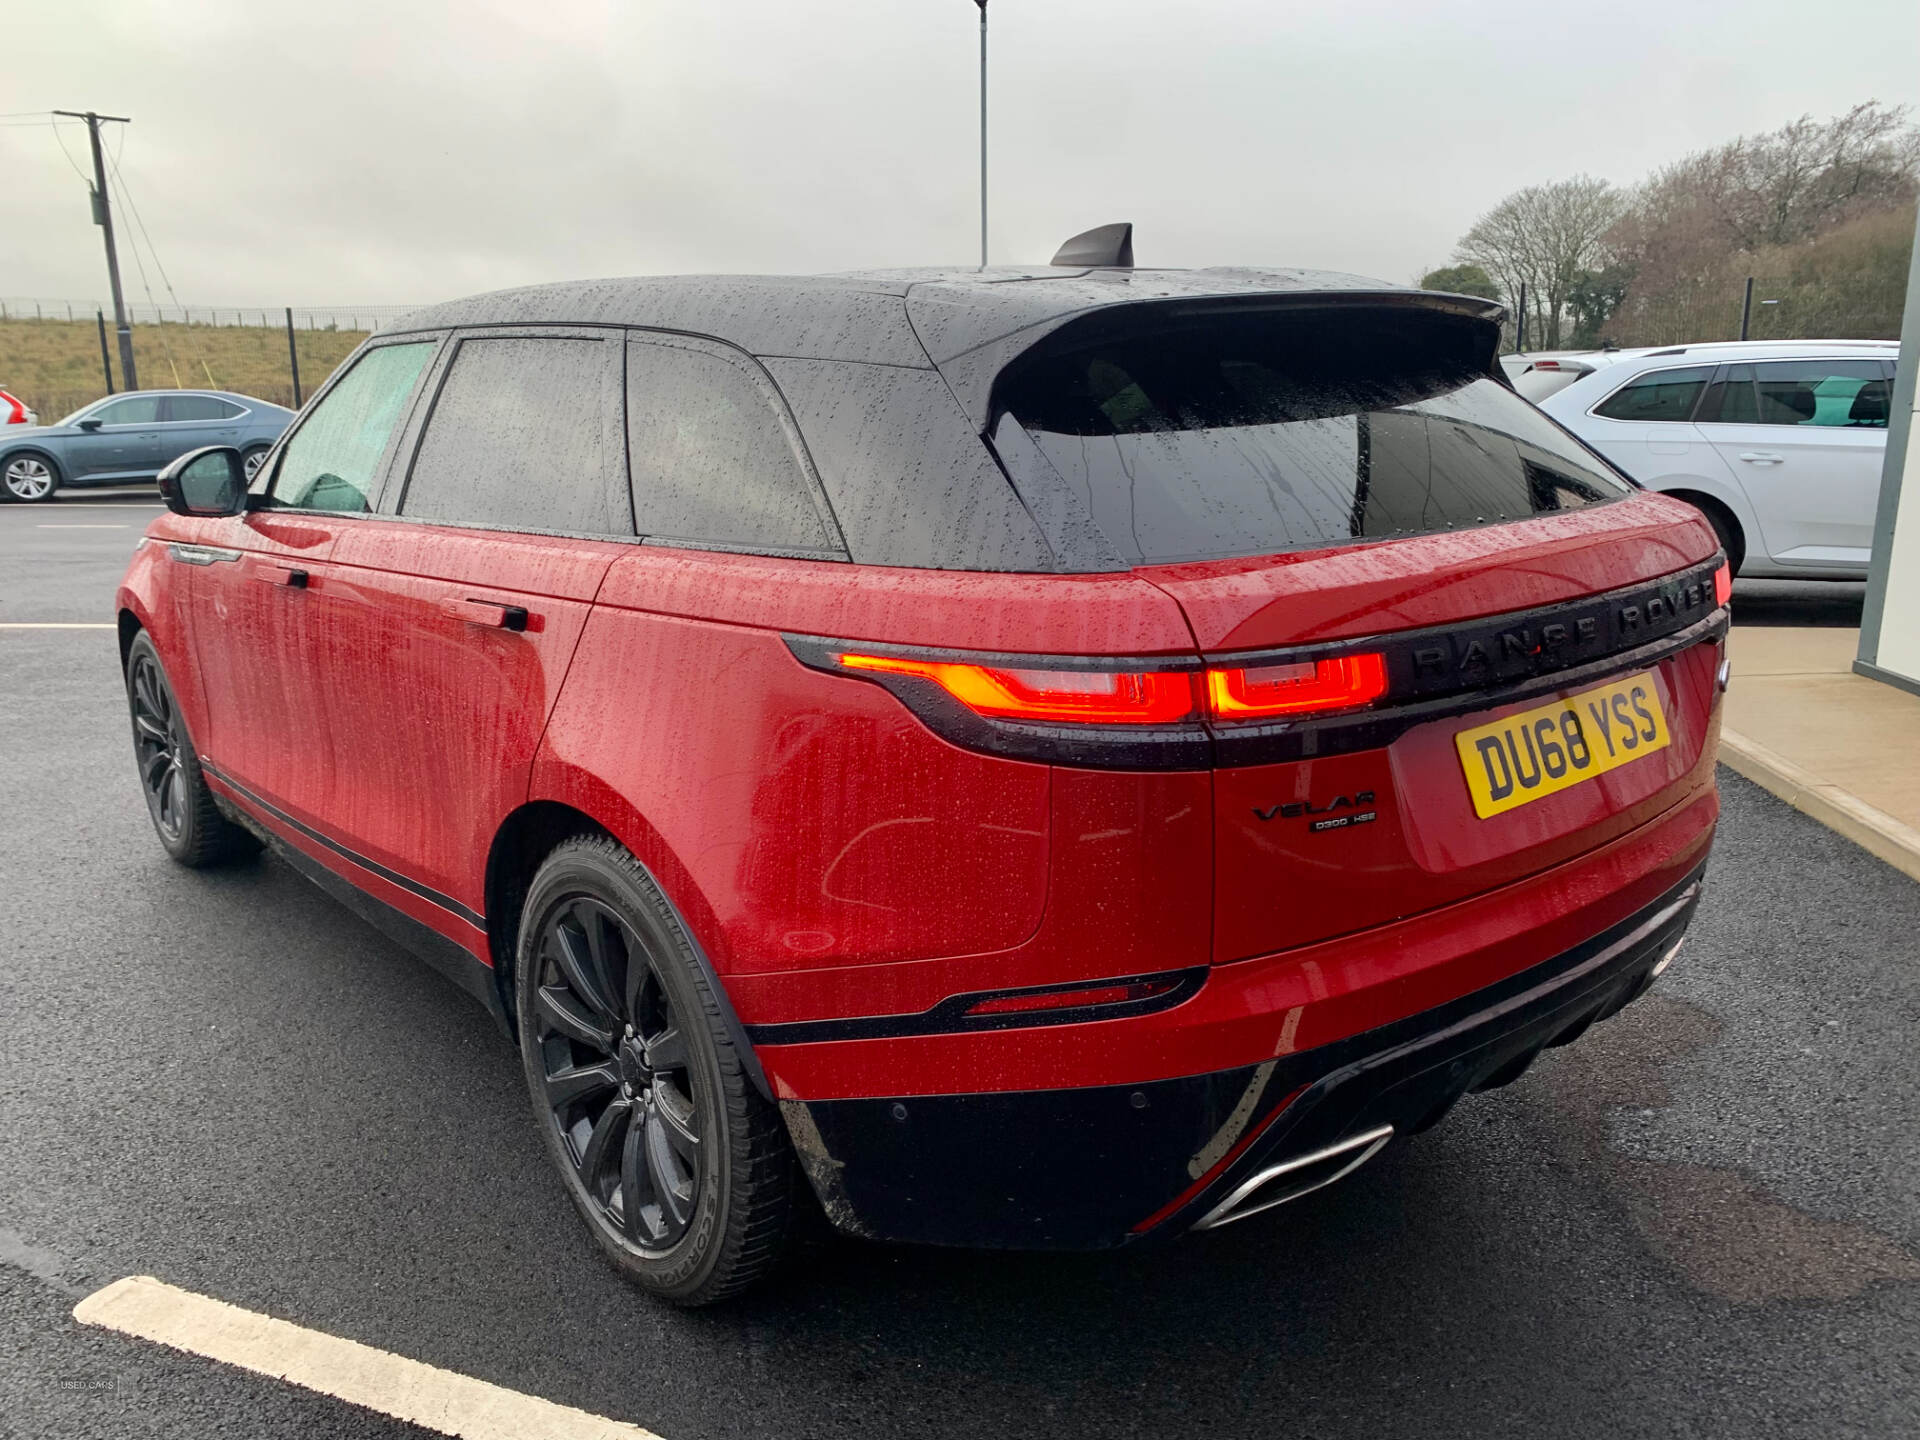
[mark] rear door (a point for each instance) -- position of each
(1805, 440)
(455, 618)
(189, 421)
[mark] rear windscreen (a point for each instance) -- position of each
(1254, 434)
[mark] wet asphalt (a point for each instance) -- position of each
(1702, 1219)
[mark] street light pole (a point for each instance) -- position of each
(983, 132)
(103, 217)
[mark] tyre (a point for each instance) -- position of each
(681, 1169)
(29, 479)
(189, 824)
(250, 459)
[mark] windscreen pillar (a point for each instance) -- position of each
(1890, 624)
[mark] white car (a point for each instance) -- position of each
(1779, 441)
(1537, 376)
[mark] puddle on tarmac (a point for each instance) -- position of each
(1726, 1234)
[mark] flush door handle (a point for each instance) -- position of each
(487, 613)
(281, 575)
(1761, 457)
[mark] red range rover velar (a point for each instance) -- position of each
(1042, 758)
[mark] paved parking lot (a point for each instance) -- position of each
(1700, 1220)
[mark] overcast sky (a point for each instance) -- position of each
(411, 150)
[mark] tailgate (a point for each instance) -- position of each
(1504, 745)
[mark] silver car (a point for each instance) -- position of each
(127, 439)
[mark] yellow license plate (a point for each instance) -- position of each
(1537, 752)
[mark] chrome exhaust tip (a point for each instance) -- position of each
(1660, 965)
(1290, 1179)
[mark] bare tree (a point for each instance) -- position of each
(1545, 237)
(1796, 182)
(1815, 210)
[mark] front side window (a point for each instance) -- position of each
(519, 439)
(133, 410)
(1659, 395)
(712, 462)
(333, 461)
(1821, 392)
(1254, 437)
(1730, 400)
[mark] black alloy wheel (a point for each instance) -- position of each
(679, 1165)
(156, 746)
(185, 816)
(614, 1065)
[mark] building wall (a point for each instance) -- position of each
(1890, 625)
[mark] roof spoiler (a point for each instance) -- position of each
(1108, 246)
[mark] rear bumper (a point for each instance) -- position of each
(1104, 1166)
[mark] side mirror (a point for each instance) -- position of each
(209, 481)
(89, 424)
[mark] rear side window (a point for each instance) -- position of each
(333, 460)
(199, 407)
(1659, 395)
(1850, 393)
(1260, 434)
(711, 459)
(522, 438)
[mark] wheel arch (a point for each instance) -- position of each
(130, 625)
(12, 453)
(1709, 501)
(524, 840)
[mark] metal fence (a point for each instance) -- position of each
(1738, 307)
(58, 355)
(265, 317)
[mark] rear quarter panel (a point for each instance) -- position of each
(803, 821)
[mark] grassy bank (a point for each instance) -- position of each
(54, 365)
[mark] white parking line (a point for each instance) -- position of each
(390, 1384)
(44, 526)
(57, 625)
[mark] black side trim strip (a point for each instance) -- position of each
(950, 1015)
(392, 877)
(460, 966)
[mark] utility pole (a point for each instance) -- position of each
(103, 217)
(983, 132)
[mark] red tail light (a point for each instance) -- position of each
(1269, 691)
(1086, 697)
(1723, 585)
(1152, 697)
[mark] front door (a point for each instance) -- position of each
(129, 429)
(264, 595)
(1805, 440)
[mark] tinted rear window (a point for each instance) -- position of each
(1259, 434)
(199, 407)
